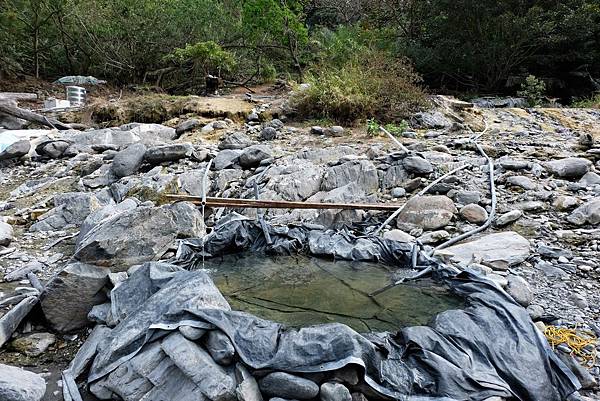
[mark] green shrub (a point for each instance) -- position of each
(533, 90)
(373, 86)
(589, 103)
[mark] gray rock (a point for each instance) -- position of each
(316, 130)
(430, 120)
(587, 213)
(395, 176)
(535, 312)
(398, 235)
(417, 165)
(20, 385)
(509, 217)
(71, 208)
(198, 366)
(168, 153)
(583, 375)
(219, 346)
(138, 235)
(227, 177)
(520, 290)
(523, 182)
(6, 233)
(253, 155)
(515, 165)
(226, 159)
(500, 250)
(474, 214)
(590, 179)
(564, 203)
(247, 389)
(52, 149)
(237, 140)
(285, 385)
(187, 126)
(71, 294)
(466, 197)
(16, 150)
(191, 333)
(33, 344)
(361, 172)
(428, 212)
(434, 237)
(268, 134)
(335, 131)
(334, 392)
(298, 181)
(569, 168)
(398, 192)
(105, 212)
(128, 161)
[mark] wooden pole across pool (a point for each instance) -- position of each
(275, 204)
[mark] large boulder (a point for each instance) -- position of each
(52, 149)
(168, 153)
(128, 161)
(587, 213)
(569, 168)
(20, 385)
(137, 235)
(253, 155)
(72, 293)
(417, 165)
(297, 181)
(428, 212)
(15, 150)
(69, 209)
(501, 250)
(361, 172)
(237, 140)
(226, 159)
(106, 212)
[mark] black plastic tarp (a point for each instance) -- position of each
(489, 348)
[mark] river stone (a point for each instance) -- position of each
(499, 249)
(219, 347)
(52, 149)
(71, 208)
(33, 344)
(268, 134)
(226, 159)
(430, 120)
(71, 294)
(168, 153)
(253, 155)
(466, 197)
(237, 140)
(192, 333)
(523, 182)
(428, 212)
(474, 214)
(20, 385)
(564, 203)
(520, 290)
(569, 168)
(137, 235)
(398, 235)
(6, 233)
(509, 217)
(16, 150)
(587, 213)
(361, 172)
(187, 126)
(334, 392)
(285, 385)
(434, 237)
(417, 165)
(590, 179)
(198, 366)
(128, 161)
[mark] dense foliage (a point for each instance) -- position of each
(465, 45)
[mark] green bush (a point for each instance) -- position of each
(590, 103)
(533, 90)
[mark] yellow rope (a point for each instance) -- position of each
(576, 340)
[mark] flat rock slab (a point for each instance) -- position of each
(502, 249)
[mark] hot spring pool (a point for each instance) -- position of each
(301, 291)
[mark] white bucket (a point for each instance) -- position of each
(76, 95)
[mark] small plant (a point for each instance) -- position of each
(397, 129)
(589, 103)
(372, 127)
(533, 90)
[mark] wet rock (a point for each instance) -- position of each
(417, 165)
(128, 161)
(71, 208)
(187, 126)
(253, 155)
(500, 250)
(428, 212)
(71, 294)
(587, 213)
(361, 172)
(237, 140)
(334, 392)
(520, 290)
(474, 214)
(16, 150)
(268, 134)
(523, 182)
(219, 346)
(137, 235)
(285, 385)
(168, 153)
(226, 159)
(569, 168)
(509, 217)
(398, 235)
(197, 365)
(564, 203)
(20, 385)
(33, 344)
(6, 233)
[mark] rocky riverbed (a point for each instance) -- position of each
(80, 208)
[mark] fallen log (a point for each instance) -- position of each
(7, 108)
(271, 204)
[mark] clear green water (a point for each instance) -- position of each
(301, 291)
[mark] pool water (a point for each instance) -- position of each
(301, 291)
